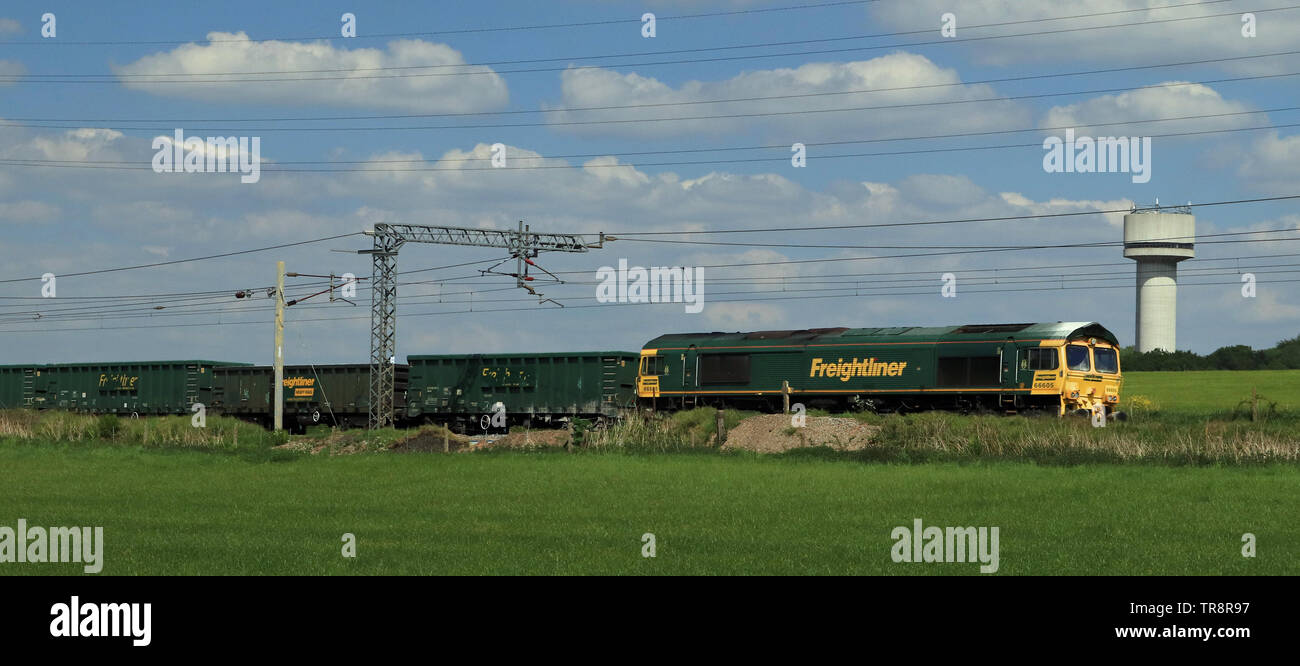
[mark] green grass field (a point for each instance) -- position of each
(1214, 390)
(1170, 492)
(186, 512)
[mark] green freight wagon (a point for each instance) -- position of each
(16, 385)
(463, 390)
(326, 394)
(143, 388)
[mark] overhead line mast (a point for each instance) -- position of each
(522, 244)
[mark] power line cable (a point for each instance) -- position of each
(483, 71)
(641, 165)
(610, 305)
(459, 31)
(353, 70)
(620, 154)
(191, 259)
(728, 116)
(967, 220)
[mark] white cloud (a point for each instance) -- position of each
(741, 316)
(1060, 205)
(1270, 163)
(9, 26)
(359, 84)
(1162, 101)
(1265, 307)
(1152, 43)
(27, 211)
(77, 144)
(11, 68)
(898, 78)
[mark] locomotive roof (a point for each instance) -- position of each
(434, 357)
(919, 334)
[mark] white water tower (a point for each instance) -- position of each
(1158, 238)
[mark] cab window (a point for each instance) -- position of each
(1047, 358)
(1106, 359)
(652, 365)
(1076, 358)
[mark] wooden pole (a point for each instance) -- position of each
(279, 345)
(785, 395)
(721, 417)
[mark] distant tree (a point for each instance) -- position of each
(1284, 356)
(1236, 357)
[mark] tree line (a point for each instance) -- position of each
(1284, 356)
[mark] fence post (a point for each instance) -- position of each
(721, 416)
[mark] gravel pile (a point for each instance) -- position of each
(771, 433)
(429, 440)
(529, 439)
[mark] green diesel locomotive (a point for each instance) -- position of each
(1060, 366)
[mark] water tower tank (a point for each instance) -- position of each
(1158, 238)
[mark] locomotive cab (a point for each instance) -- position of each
(648, 373)
(1091, 375)
(1080, 374)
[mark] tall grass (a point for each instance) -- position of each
(1178, 437)
(1175, 438)
(55, 427)
(691, 430)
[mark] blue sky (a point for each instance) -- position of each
(60, 218)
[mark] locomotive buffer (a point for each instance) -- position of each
(389, 238)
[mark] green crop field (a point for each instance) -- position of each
(1213, 390)
(187, 512)
(1171, 491)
